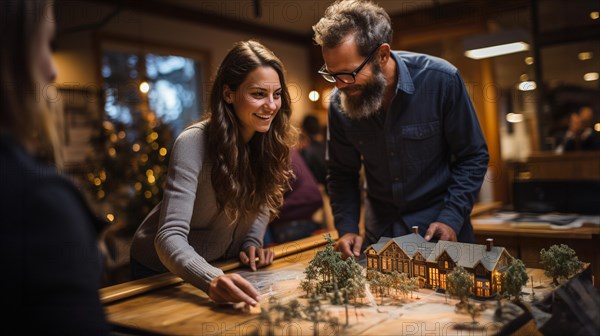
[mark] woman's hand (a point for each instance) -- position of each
(232, 288)
(248, 257)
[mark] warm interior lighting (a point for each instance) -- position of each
(514, 117)
(585, 55)
(595, 15)
(498, 50)
(527, 86)
(313, 96)
(590, 76)
(496, 44)
(529, 60)
(597, 127)
(144, 87)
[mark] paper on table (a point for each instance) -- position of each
(509, 217)
(498, 218)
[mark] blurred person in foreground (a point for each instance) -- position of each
(48, 245)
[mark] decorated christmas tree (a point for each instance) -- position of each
(127, 171)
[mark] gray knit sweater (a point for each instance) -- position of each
(186, 230)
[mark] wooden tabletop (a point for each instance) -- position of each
(165, 305)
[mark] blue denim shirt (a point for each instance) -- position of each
(424, 159)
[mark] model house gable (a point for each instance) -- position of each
(445, 262)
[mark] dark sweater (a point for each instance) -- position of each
(48, 251)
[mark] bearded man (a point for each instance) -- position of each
(408, 119)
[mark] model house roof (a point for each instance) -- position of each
(463, 254)
(467, 255)
(380, 244)
(410, 244)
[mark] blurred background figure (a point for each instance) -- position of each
(312, 148)
(580, 135)
(49, 245)
(300, 204)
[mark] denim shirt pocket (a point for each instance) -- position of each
(420, 141)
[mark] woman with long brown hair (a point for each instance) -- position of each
(48, 240)
(226, 179)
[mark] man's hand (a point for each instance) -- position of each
(248, 257)
(232, 288)
(440, 230)
(349, 244)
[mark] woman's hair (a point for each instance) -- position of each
(369, 22)
(247, 177)
(24, 112)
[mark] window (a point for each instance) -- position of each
(443, 280)
(150, 94)
(482, 288)
(446, 264)
(433, 277)
(498, 281)
(167, 86)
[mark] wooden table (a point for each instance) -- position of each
(526, 241)
(165, 305)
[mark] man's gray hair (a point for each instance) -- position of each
(368, 22)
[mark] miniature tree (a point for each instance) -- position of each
(559, 261)
(308, 284)
(412, 285)
(376, 282)
(459, 285)
(355, 284)
(532, 296)
(315, 314)
(328, 271)
(514, 279)
(474, 311)
(265, 316)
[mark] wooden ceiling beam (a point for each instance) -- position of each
(196, 16)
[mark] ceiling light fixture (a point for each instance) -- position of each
(595, 15)
(527, 86)
(496, 44)
(529, 60)
(585, 55)
(591, 76)
(514, 117)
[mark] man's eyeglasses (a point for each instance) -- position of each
(346, 77)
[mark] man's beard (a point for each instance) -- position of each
(369, 101)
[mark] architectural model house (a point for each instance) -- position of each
(431, 262)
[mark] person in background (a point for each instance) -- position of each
(301, 202)
(313, 148)
(227, 177)
(408, 119)
(580, 135)
(48, 246)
